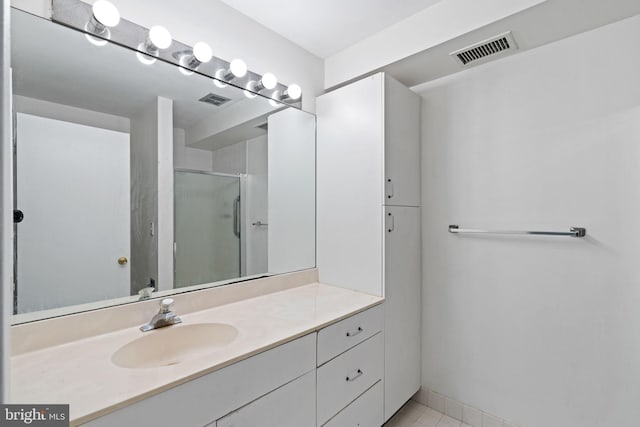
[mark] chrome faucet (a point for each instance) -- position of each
(165, 317)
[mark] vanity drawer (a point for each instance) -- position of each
(292, 405)
(340, 337)
(365, 411)
(346, 377)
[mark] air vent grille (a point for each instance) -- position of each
(489, 48)
(213, 99)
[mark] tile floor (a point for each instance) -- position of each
(414, 414)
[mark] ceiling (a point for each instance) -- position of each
(324, 27)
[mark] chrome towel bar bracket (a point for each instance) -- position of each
(573, 232)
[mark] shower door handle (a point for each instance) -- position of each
(236, 217)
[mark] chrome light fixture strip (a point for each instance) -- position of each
(75, 14)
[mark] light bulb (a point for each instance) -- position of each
(274, 100)
(202, 52)
(250, 89)
(95, 40)
(238, 68)
(105, 13)
(293, 92)
(269, 81)
(145, 58)
(159, 37)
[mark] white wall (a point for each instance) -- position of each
(165, 193)
(291, 235)
(67, 113)
(256, 203)
(189, 158)
(542, 331)
(144, 197)
(231, 159)
(435, 25)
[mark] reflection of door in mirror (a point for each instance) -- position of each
(73, 187)
(207, 227)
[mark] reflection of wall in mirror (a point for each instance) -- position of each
(292, 199)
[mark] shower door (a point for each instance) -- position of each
(207, 227)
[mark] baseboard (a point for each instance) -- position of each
(459, 410)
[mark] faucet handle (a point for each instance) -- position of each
(165, 305)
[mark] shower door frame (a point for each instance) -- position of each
(242, 190)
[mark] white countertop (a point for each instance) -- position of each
(81, 373)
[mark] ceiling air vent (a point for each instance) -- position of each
(212, 98)
(486, 50)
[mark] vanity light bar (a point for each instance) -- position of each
(102, 24)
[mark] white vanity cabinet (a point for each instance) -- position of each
(368, 214)
(208, 398)
(333, 377)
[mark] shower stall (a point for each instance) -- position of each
(208, 227)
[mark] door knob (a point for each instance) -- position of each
(123, 260)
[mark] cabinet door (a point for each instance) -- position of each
(349, 190)
(402, 306)
(292, 405)
(402, 145)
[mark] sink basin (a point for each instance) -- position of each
(174, 344)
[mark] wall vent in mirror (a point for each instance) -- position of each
(213, 99)
(100, 26)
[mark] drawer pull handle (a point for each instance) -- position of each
(353, 334)
(356, 376)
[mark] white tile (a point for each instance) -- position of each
(491, 421)
(436, 401)
(453, 408)
(429, 418)
(472, 416)
(465, 425)
(447, 421)
(508, 424)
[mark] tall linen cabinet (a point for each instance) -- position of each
(368, 213)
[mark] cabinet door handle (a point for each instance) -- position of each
(390, 223)
(353, 334)
(389, 188)
(356, 376)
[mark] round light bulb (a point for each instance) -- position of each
(269, 81)
(95, 40)
(160, 37)
(294, 91)
(145, 59)
(249, 92)
(238, 68)
(274, 99)
(106, 13)
(202, 52)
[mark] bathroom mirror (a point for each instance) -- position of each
(133, 179)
